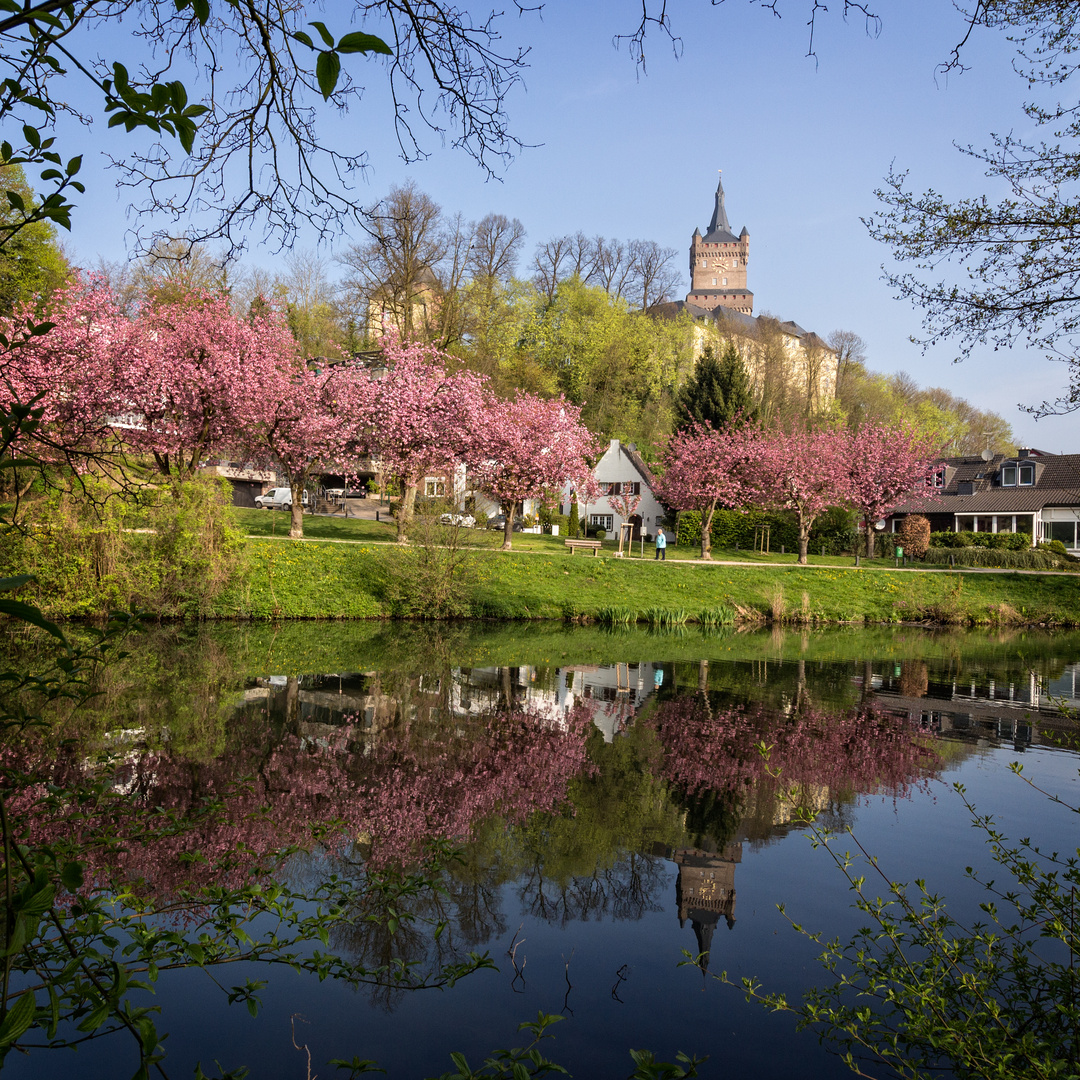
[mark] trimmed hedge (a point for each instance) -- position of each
(1026, 559)
(835, 529)
(999, 541)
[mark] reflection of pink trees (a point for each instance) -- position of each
(408, 788)
(863, 750)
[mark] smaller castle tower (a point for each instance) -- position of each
(718, 262)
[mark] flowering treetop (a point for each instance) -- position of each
(198, 377)
(69, 369)
(704, 468)
(528, 448)
(422, 417)
(883, 465)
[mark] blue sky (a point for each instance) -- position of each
(802, 144)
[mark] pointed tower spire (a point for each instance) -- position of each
(719, 216)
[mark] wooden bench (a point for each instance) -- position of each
(586, 545)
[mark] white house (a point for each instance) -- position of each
(621, 473)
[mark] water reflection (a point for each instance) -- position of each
(579, 793)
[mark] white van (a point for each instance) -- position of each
(279, 498)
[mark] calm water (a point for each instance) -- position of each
(613, 810)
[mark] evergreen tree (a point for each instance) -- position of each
(573, 526)
(717, 392)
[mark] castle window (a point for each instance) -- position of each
(725, 281)
(714, 282)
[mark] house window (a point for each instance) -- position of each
(601, 521)
(1065, 531)
(631, 487)
(937, 478)
(1008, 476)
(434, 489)
(1027, 475)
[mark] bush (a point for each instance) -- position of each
(1009, 541)
(732, 527)
(1027, 559)
(600, 534)
(573, 528)
(914, 535)
(1055, 546)
(430, 580)
(88, 558)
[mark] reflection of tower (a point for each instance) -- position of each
(705, 890)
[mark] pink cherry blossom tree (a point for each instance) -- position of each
(625, 504)
(307, 422)
(803, 471)
(422, 418)
(529, 448)
(197, 378)
(883, 465)
(65, 363)
(703, 469)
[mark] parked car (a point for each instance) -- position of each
(498, 521)
(465, 521)
(279, 498)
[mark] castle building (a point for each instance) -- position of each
(786, 363)
(718, 262)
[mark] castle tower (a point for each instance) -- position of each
(718, 264)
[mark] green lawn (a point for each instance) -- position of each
(274, 523)
(539, 579)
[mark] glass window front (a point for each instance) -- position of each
(1065, 531)
(1008, 476)
(1027, 475)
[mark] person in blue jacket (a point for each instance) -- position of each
(661, 545)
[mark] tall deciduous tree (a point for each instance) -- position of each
(884, 464)
(530, 448)
(307, 421)
(1017, 259)
(31, 261)
(393, 275)
(67, 368)
(423, 419)
(495, 247)
(703, 469)
(802, 471)
(195, 379)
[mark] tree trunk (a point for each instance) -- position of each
(804, 538)
(296, 516)
(406, 512)
(706, 533)
(869, 539)
(508, 533)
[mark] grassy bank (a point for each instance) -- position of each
(287, 579)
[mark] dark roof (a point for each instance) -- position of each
(719, 230)
(637, 461)
(740, 321)
(1057, 483)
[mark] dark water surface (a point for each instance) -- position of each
(613, 809)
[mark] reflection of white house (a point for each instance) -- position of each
(621, 473)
